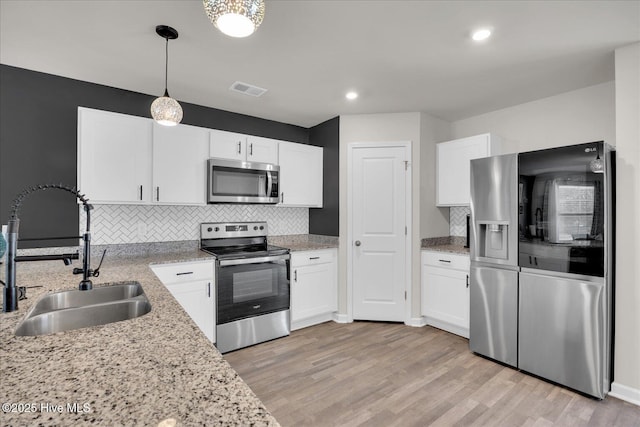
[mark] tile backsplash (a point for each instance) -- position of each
(458, 220)
(116, 224)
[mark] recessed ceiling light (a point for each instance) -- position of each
(351, 95)
(482, 34)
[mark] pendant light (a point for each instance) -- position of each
(166, 110)
(235, 18)
(597, 165)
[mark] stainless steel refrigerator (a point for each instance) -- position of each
(541, 284)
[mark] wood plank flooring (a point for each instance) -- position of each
(386, 374)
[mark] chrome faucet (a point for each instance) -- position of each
(10, 291)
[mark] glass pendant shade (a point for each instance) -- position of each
(597, 165)
(235, 18)
(166, 111)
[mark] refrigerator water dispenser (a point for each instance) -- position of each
(493, 240)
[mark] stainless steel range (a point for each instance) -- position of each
(252, 284)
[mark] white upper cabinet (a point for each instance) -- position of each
(453, 167)
(126, 159)
(235, 146)
(227, 145)
(300, 174)
(180, 164)
(263, 150)
(114, 162)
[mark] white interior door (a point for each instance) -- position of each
(378, 224)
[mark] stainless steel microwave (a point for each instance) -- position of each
(235, 181)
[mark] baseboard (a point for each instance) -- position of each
(626, 393)
(449, 327)
(310, 321)
(341, 318)
(417, 322)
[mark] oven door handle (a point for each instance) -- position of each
(259, 260)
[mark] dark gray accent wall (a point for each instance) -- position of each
(326, 220)
(38, 142)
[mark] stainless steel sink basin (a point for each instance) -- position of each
(67, 310)
(76, 298)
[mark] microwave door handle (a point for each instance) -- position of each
(269, 184)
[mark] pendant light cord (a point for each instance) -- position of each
(166, 67)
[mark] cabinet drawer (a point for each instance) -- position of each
(184, 272)
(445, 259)
(312, 257)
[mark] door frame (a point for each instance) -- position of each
(408, 221)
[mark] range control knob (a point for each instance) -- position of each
(209, 229)
(262, 227)
(217, 229)
(255, 227)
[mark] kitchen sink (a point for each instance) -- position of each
(77, 298)
(75, 309)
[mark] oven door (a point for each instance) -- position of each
(251, 287)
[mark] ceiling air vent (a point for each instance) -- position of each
(247, 89)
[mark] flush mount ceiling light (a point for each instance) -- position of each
(351, 95)
(235, 18)
(166, 110)
(481, 34)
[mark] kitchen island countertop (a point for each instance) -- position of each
(136, 372)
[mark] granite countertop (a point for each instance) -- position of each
(304, 242)
(450, 244)
(137, 372)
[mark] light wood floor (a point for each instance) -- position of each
(384, 374)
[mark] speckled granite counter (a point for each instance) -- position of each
(304, 242)
(136, 372)
(451, 244)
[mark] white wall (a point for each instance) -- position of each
(627, 340)
(434, 221)
(575, 117)
(386, 128)
(608, 112)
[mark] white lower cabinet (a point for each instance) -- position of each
(314, 287)
(192, 284)
(445, 291)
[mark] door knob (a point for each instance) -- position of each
(358, 243)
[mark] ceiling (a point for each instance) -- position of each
(399, 55)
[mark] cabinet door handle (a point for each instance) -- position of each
(141, 193)
(314, 257)
(239, 147)
(530, 262)
(251, 149)
(467, 280)
(295, 275)
(282, 197)
(183, 273)
(157, 194)
(535, 260)
(445, 260)
(209, 290)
